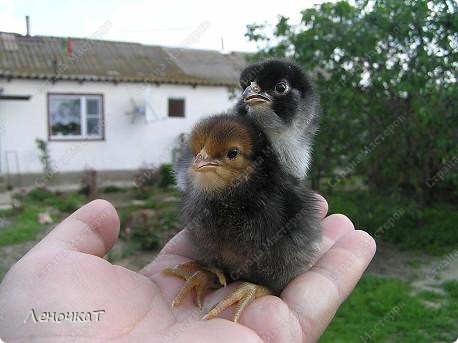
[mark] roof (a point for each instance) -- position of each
(42, 57)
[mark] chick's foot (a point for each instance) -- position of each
(242, 296)
(197, 277)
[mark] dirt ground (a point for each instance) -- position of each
(422, 271)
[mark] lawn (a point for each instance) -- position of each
(21, 224)
(381, 308)
(20, 227)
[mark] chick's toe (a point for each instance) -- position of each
(196, 277)
(242, 296)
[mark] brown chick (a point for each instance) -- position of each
(260, 224)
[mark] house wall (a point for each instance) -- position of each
(127, 146)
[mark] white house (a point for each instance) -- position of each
(110, 106)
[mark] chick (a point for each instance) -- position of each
(261, 224)
(282, 100)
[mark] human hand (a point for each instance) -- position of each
(65, 273)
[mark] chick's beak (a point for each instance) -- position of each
(203, 163)
(252, 94)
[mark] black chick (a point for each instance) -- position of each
(251, 220)
(282, 100)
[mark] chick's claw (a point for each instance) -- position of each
(242, 296)
(197, 277)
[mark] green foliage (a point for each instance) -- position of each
(147, 235)
(399, 220)
(383, 310)
(451, 287)
(64, 202)
(377, 63)
(38, 195)
(152, 231)
(167, 175)
(111, 189)
(143, 192)
(45, 157)
(153, 223)
(162, 176)
(123, 250)
(67, 204)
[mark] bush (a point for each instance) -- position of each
(390, 125)
(167, 175)
(111, 189)
(151, 227)
(68, 204)
(399, 220)
(142, 226)
(39, 194)
(163, 176)
(149, 239)
(64, 202)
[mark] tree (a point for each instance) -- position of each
(386, 72)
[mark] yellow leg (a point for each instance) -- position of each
(243, 296)
(197, 277)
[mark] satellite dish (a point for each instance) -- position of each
(136, 112)
(145, 110)
(150, 114)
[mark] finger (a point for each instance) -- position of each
(215, 330)
(179, 249)
(92, 229)
(268, 314)
(180, 245)
(319, 292)
(323, 205)
(272, 320)
(176, 251)
(334, 227)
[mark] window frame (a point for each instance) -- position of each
(84, 136)
(168, 107)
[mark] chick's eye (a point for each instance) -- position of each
(233, 153)
(281, 87)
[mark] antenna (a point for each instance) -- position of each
(223, 51)
(27, 23)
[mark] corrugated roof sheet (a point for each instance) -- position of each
(41, 57)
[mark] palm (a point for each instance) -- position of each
(48, 279)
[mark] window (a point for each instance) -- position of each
(75, 116)
(176, 107)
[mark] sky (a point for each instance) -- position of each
(165, 22)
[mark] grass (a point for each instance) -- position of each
(389, 218)
(384, 310)
(22, 225)
(379, 309)
(399, 220)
